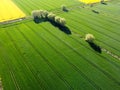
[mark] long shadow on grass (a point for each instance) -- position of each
(95, 47)
(66, 10)
(94, 11)
(64, 29)
(37, 20)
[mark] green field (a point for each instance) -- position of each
(42, 57)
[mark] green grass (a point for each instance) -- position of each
(42, 57)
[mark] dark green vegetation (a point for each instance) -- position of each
(43, 15)
(40, 56)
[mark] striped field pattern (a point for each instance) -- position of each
(42, 57)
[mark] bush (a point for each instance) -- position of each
(64, 8)
(89, 38)
(102, 1)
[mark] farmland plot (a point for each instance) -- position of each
(37, 55)
(90, 1)
(9, 11)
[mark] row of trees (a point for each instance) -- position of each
(43, 14)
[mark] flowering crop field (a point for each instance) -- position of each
(91, 1)
(9, 11)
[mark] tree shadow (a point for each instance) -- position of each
(95, 11)
(66, 10)
(95, 47)
(64, 29)
(37, 20)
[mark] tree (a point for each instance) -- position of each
(44, 14)
(51, 16)
(57, 19)
(35, 13)
(39, 14)
(89, 38)
(62, 21)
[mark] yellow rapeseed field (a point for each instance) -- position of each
(9, 11)
(91, 1)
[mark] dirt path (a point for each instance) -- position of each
(111, 54)
(12, 21)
